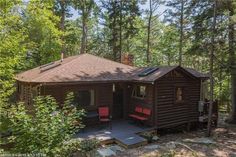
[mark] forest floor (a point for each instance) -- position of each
(222, 143)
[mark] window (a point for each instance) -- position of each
(178, 94)
(139, 91)
(86, 97)
(113, 87)
(35, 91)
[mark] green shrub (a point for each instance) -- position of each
(88, 145)
(76, 147)
(47, 128)
(69, 148)
(148, 135)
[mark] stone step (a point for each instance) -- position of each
(130, 140)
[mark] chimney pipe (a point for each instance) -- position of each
(127, 59)
(62, 56)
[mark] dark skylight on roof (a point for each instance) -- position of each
(147, 71)
(45, 65)
(49, 66)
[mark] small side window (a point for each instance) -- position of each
(179, 94)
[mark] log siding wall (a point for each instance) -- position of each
(170, 113)
(103, 93)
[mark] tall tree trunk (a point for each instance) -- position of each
(233, 97)
(220, 93)
(228, 101)
(211, 71)
(149, 31)
(84, 31)
(169, 59)
(115, 31)
(232, 60)
(181, 33)
(62, 26)
(121, 22)
(115, 40)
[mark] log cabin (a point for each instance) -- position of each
(171, 94)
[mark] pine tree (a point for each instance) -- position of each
(121, 17)
(201, 15)
(231, 41)
(177, 15)
(43, 34)
(85, 8)
(62, 10)
(153, 7)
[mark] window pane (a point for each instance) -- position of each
(142, 90)
(86, 97)
(139, 91)
(179, 94)
(92, 97)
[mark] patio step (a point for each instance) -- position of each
(130, 140)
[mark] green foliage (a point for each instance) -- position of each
(12, 53)
(44, 36)
(80, 148)
(148, 136)
(12, 50)
(87, 9)
(69, 147)
(120, 19)
(46, 128)
(88, 145)
(72, 37)
(167, 46)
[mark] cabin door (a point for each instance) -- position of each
(117, 102)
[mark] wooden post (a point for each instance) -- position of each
(211, 71)
(124, 88)
(233, 101)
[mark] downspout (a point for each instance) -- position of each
(44, 88)
(201, 90)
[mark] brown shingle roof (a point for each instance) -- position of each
(196, 73)
(84, 67)
(87, 67)
(161, 71)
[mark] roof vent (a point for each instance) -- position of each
(147, 71)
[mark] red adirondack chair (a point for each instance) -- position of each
(104, 115)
